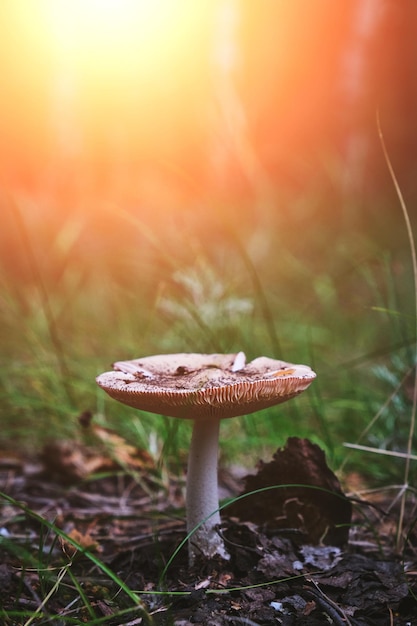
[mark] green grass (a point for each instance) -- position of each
(330, 291)
(55, 578)
(339, 299)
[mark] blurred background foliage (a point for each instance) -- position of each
(207, 177)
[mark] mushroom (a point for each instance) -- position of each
(204, 388)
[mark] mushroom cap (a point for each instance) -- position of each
(197, 386)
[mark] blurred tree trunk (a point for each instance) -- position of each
(358, 102)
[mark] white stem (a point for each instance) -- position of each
(202, 491)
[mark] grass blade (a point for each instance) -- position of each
(414, 265)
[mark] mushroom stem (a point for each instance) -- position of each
(202, 491)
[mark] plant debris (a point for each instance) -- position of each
(313, 505)
(279, 573)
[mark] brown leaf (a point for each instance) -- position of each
(126, 455)
(69, 462)
(85, 540)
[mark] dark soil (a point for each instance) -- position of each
(298, 555)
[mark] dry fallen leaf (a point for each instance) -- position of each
(68, 462)
(123, 453)
(85, 540)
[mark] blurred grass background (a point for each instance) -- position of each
(339, 300)
(247, 221)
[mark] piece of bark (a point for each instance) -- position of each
(305, 496)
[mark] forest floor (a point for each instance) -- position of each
(301, 555)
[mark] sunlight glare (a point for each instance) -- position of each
(108, 28)
(105, 16)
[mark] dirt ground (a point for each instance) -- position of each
(299, 555)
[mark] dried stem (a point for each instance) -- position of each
(414, 264)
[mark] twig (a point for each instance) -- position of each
(401, 455)
(331, 608)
